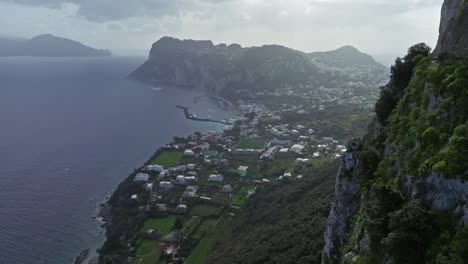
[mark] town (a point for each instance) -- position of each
(192, 188)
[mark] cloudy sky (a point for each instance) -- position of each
(383, 28)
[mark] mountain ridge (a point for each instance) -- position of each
(48, 45)
(223, 69)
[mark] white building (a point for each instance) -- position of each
(215, 178)
(189, 153)
(141, 177)
(297, 148)
(156, 168)
(166, 185)
(180, 179)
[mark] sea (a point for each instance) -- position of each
(71, 129)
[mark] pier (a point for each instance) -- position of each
(189, 115)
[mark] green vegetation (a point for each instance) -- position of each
(204, 209)
(167, 158)
(280, 223)
(213, 229)
(251, 143)
(238, 199)
(162, 226)
(147, 253)
(424, 113)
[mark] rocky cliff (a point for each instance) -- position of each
(401, 195)
(227, 69)
(453, 28)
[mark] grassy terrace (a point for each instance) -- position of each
(162, 225)
(212, 230)
(148, 252)
(251, 143)
(167, 158)
(204, 210)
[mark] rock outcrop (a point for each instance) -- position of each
(403, 196)
(229, 69)
(453, 31)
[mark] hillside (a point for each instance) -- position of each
(232, 70)
(401, 193)
(48, 46)
(282, 223)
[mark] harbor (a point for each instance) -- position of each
(190, 115)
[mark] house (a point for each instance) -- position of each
(161, 207)
(163, 174)
(189, 153)
(180, 169)
(134, 197)
(341, 148)
(316, 154)
(297, 148)
(287, 174)
(141, 177)
(191, 166)
(180, 179)
(283, 152)
(181, 209)
(192, 173)
(242, 171)
(191, 179)
(301, 161)
(166, 185)
(156, 168)
(227, 188)
(215, 178)
(190, 191)
(149, 186)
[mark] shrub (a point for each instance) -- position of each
(411, 233)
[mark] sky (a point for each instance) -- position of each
(382, 28)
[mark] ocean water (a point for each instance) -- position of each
(70, 131)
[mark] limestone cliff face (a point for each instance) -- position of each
(402, 196)
(227, 70)
(345, 203)
(453, 29)
(202, 65)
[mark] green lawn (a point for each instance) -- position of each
(251, 143)
(204, 209)
(167, 158)
(238, 199)
(208, 241)
(162, 225)
(191, 225)
(205, 227)
(147, 253)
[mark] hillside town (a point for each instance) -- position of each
(193, 186)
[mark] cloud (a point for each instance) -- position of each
(375, 26)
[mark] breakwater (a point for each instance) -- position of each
(190, 115)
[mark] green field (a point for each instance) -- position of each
(191, 225)
(251, 143)
(147, 253)
(238, 199)
(162, 225)
(205, 227)
(213, 231)
(167, 158)
(204, 210)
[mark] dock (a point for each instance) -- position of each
(189, 115)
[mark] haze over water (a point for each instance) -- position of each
(70, 131)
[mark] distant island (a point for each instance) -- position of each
(233, 71)
(48, 46)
